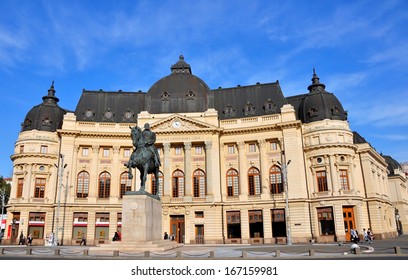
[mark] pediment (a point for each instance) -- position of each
(178, 122)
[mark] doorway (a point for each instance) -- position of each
(348, 218)
(177, 228)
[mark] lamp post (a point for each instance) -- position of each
(61, 168)
(284, 166)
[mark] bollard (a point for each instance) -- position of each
(397, 250)
(147, 254)
(116, 253)
(358, 251)
(29, 251)
(311, 253)
(244, 254)
(278, 253)
(57, 252)
(86, 252)
(212, 254)
(1, 251)
(178, 255)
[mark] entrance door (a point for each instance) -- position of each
(348, 218)
(199, 234)
(177, 228)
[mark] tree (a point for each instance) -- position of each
(5, 189)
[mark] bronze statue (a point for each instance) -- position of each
(144, 157)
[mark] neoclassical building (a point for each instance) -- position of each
(238, 165)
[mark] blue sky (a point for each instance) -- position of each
(359, 50)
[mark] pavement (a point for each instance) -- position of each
(378, 249)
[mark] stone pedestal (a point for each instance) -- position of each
(141, 218)
(141, 226)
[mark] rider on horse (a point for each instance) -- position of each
(150, 138)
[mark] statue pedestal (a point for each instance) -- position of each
(141, 226)
(141, 218)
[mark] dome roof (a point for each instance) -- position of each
(319, 104)
(46, 116)
(181, 91)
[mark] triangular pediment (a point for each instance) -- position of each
(178, 122)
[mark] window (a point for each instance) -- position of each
(178, 184)
(125, 184)
(102, 226)
(275, 178)
(21, 149)
(274, 146)
(254, 181)
(83, 184)
(199, 183)
(104, 185)
(252, 148)
(232, 182)
(278, 223)
(321, 181)
(325, 217)
(234, 224)
(39, 188)
(20, 184)
(198, 150)
(126, 153)
(255, 224)
(105, 152)
(231, 149)
(43, 149)
(344, 183)
(177, 151)
(85, 152)
(157, 187)
(199, 214)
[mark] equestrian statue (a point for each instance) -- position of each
(144, 157)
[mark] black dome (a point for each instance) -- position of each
(181, 91)
(319, 104)
(46, 116)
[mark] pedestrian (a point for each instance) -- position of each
(83, 240)
(166, 235)
(365, 235)
(29, 239)
(116, 237)
(370, 235)
(354, 236)
(21, 239)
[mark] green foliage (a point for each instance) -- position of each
(5, 189)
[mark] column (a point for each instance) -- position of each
(94, 180)
(166, 170)
(188, 192)
(264, 167)
(243, 184)
(115, 180)
(209, 167)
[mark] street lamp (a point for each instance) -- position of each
(61, 168)
(284, 166)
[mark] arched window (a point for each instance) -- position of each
(232, 182)
(275, 179)
(199, 183)
(254, 181)
(178, 183)
(104, 185)
(125, 183)
(82, 184)
(157, 187)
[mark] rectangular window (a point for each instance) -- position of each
(39, 188)
(198, 150)
(274, 146)
(344, 183)
(231, 149)
(234, 224)
(326, 220)
(177, 150)
(252, 148)
(44, 149)
(321, 181)
(20, 184)
(21, 149)
(126, 153)
(85, 152)
(105, 152)
(199, 214)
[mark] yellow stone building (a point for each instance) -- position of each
(238, 165)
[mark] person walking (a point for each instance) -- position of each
(21, 240)
(83, 240)
(30, 239)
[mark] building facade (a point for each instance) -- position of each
(238, 165)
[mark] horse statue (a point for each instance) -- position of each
(141, 158)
